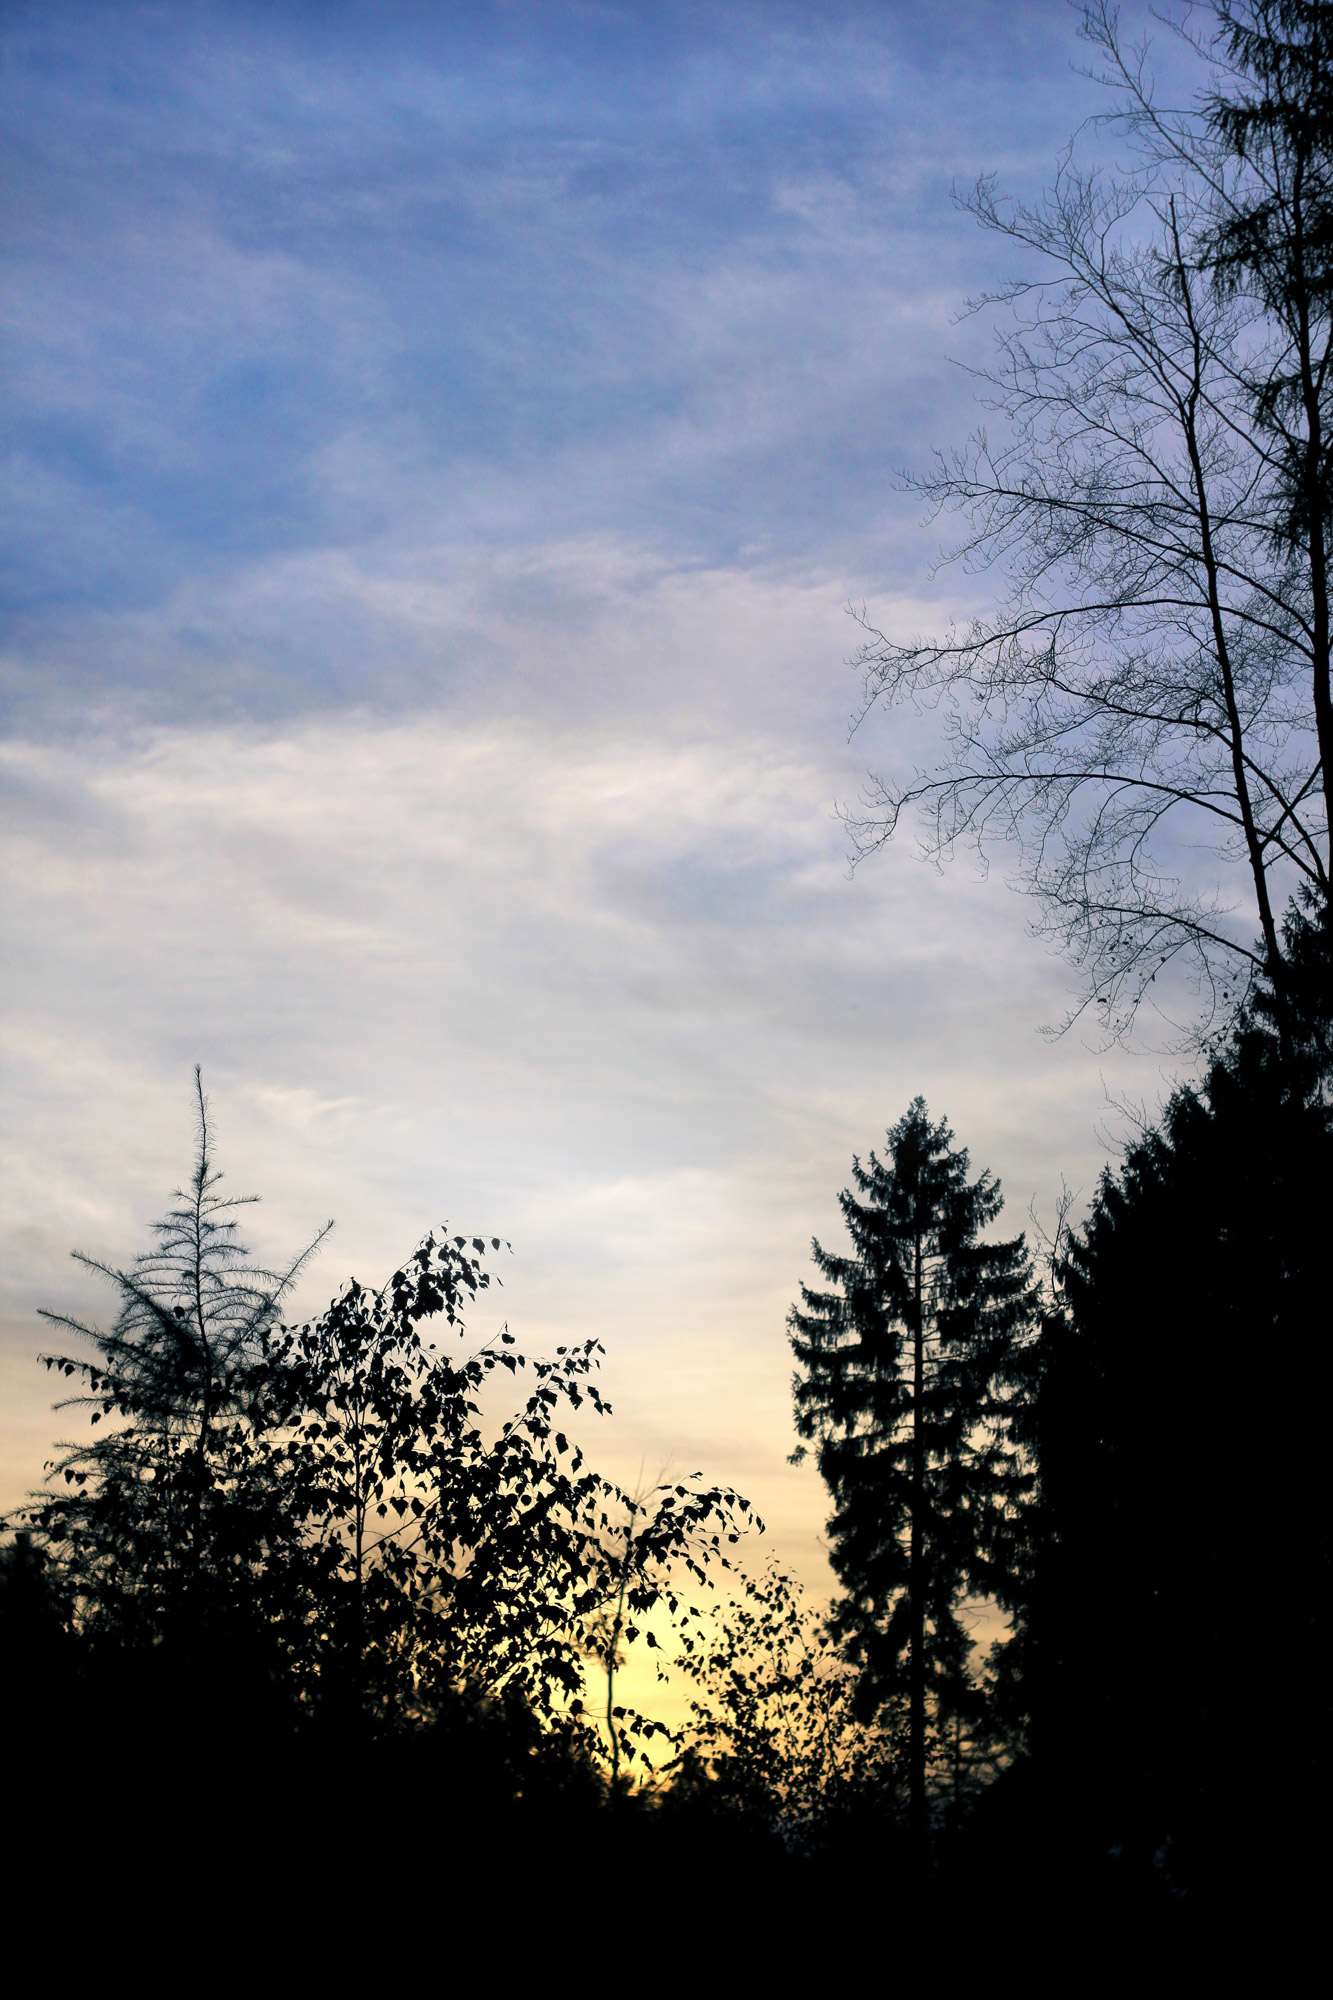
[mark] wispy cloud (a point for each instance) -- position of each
(618, 1002)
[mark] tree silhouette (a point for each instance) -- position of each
(1153, 494)
(451, 1555)
(907, 1362)
(1168, 1658)
(1272, 243)
(649, 1548)
(774, 1732)
(160, 1518)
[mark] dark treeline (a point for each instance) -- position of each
(1165, 1672)
(1180, 1467)
(329, 1567)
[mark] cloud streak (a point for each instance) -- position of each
(620, 1003)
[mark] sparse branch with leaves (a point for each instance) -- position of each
(649, 1548)
(774, 1722)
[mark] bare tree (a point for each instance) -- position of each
(1141, 719)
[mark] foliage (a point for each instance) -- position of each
(1272, 241)
(336, 1507)
(775, 1732)
(445, 1558)
(909, 1362)
(165, 1518)
(457, 1559)
(647, 1548)
(1168, 1657)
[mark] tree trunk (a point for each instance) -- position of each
(1254, 845)
(1312, 494)
(916, 1777)
(359, 1600)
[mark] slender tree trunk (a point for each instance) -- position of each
(1313, 496)
(1323, 694)
(612, 1732)
(617, 1626)
(916, 1779)
(1254, 845)
(957, 1768)
(206, 1379)
(359, 1603)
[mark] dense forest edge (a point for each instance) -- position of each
(373, 1565)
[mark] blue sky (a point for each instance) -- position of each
(407, 283)
(442, 442)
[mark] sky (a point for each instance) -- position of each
(442, 444)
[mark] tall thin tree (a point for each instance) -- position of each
(906, 1364)
(1152, 684)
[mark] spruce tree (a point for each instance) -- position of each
(907, 1363)
(157, 1521)
(1272, 240)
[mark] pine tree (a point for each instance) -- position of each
(156, 1520)
(907, 1365)
(1272, 238)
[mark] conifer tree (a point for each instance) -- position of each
(156, 1519)
(1171, 1631)
(907, 1363)
(1271, 118)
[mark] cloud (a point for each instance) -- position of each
(467, 279)
(611, 996)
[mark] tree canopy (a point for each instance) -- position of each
(1172, 1628)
